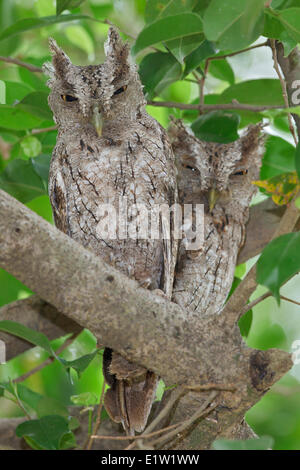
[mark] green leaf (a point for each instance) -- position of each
(263, 443)
(14, 117)
(84, 399)
(193, 60)
(2, 92)
(233, 24)
(27, 24)
(31, 146)
(180, 48)
(222, 70)
(217, 126)
(16, 91)
(278, 158)
(28, 396)
(157, 71)
(47, 432)
(21, 181)
(279, 261)
(30, 335)
(62, 5)
(290, 19)
(156, 9)
(81, 363)
(264, 91)
(297, 160)
(41, 165)
(36, 103)
(164, 29)
(245, 323)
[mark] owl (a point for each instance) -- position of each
(110, 155)
(219, 177)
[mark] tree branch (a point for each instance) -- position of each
(212, 107)
(30, 67)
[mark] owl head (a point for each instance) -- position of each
(218, 175)
(84, 94)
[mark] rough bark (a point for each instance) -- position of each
(143, 327)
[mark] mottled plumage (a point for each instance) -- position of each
(131, 159)
(219, 176)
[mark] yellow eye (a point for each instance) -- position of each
(69, 98)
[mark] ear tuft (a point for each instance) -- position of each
(60, 60)
(114, 46)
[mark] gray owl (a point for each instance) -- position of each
(219, 176)
(109, 149)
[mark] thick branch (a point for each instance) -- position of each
(144, 327)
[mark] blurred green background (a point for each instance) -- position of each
(278, 412)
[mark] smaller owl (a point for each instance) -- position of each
(219, 176)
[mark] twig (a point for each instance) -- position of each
(202, 83)
(141, 436)
(176, 395)
(45, 363)
(284, 88)
(89, 443)
(231, 54)
(25, 65)
(264, 296)
(210, 107)
(44, 129)
(187, 423)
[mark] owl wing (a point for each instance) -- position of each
(58, 194)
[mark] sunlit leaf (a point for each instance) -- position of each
(31, 146)
(170, 27)
(290, 19)
(263, 91)
(156, 9)
(84, 399)
(279, 261)
(27, 24)
(182, 47)
(30, 335)
(15, 117)
(233, 24)
(282, 187)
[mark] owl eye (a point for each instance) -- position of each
(69, 98)
(120, 90)
(240, 173)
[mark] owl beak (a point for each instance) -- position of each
(97, 120)
(213, 196)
